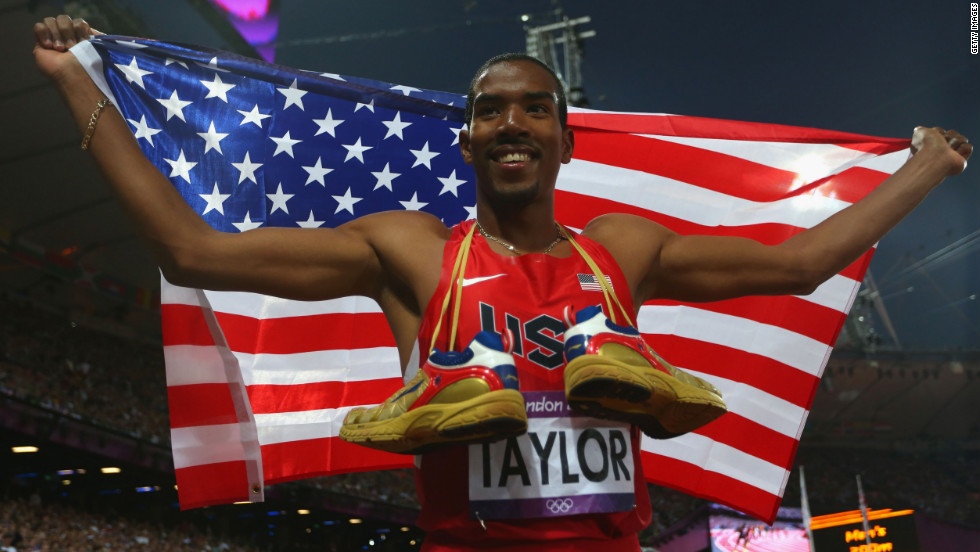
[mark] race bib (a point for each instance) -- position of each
(565, 464)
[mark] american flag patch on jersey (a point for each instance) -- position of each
(590, 282)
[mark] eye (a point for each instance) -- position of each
(537, 108)
(487, 110)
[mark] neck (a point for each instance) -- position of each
(528, 229)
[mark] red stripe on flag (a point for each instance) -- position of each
(693, 480)
(184, 325)
(701, 127)
(209, 484)
(763, 373)
(855, 182)
(301, 334)
(327, 456)
(751, 438)
(786, 311)
(705, 169)
(201, 404)
(271, 399)
(577, 210)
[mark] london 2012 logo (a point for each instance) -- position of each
(559, 505)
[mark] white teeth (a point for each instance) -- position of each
(514, 157)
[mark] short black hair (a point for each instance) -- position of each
(504, 58)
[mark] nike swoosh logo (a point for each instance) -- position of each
(477, 280)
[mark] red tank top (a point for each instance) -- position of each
(526, 294)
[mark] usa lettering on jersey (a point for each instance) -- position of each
(539, 340)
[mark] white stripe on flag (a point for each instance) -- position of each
(836, 293)
(716, 457)
(888, 163)
(177, 295)
(811, 161)
(194, 446)
(254, 305)
(286, 427)
(693, 203)
(193, 364)
(754, 404)
(782, 345)
(320, 366)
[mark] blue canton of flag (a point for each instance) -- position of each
(250, 144)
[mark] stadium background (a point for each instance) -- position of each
(81, 373)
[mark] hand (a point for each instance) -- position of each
(952, 146)
(52, 39)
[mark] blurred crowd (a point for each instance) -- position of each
(116, 383)
(28, 525)
(52, 362)
(395, 487)
(670, 507)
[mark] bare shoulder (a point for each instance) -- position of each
(409, 247)
(408, 244)
(624, 232)
(635, 243)
(393, 227)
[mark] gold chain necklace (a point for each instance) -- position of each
(510, 247)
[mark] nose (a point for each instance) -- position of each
(513, 122)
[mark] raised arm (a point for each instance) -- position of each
(663, 265)
(363, 257)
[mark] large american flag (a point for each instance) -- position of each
(259, 386)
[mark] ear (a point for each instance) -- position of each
(464, 146)
(567, 145)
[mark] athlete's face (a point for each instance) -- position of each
(515, 142)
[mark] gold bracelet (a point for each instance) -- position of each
(94, 120)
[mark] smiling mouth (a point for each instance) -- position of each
(514, 157)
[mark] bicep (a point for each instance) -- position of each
(713, 268)
(294, 263)
(661, 264)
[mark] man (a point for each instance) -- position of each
(427, 280)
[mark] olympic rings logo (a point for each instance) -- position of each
(559, 505)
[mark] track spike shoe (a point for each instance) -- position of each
(611, 372)
(455, 398)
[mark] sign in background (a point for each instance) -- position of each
(890, 530)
